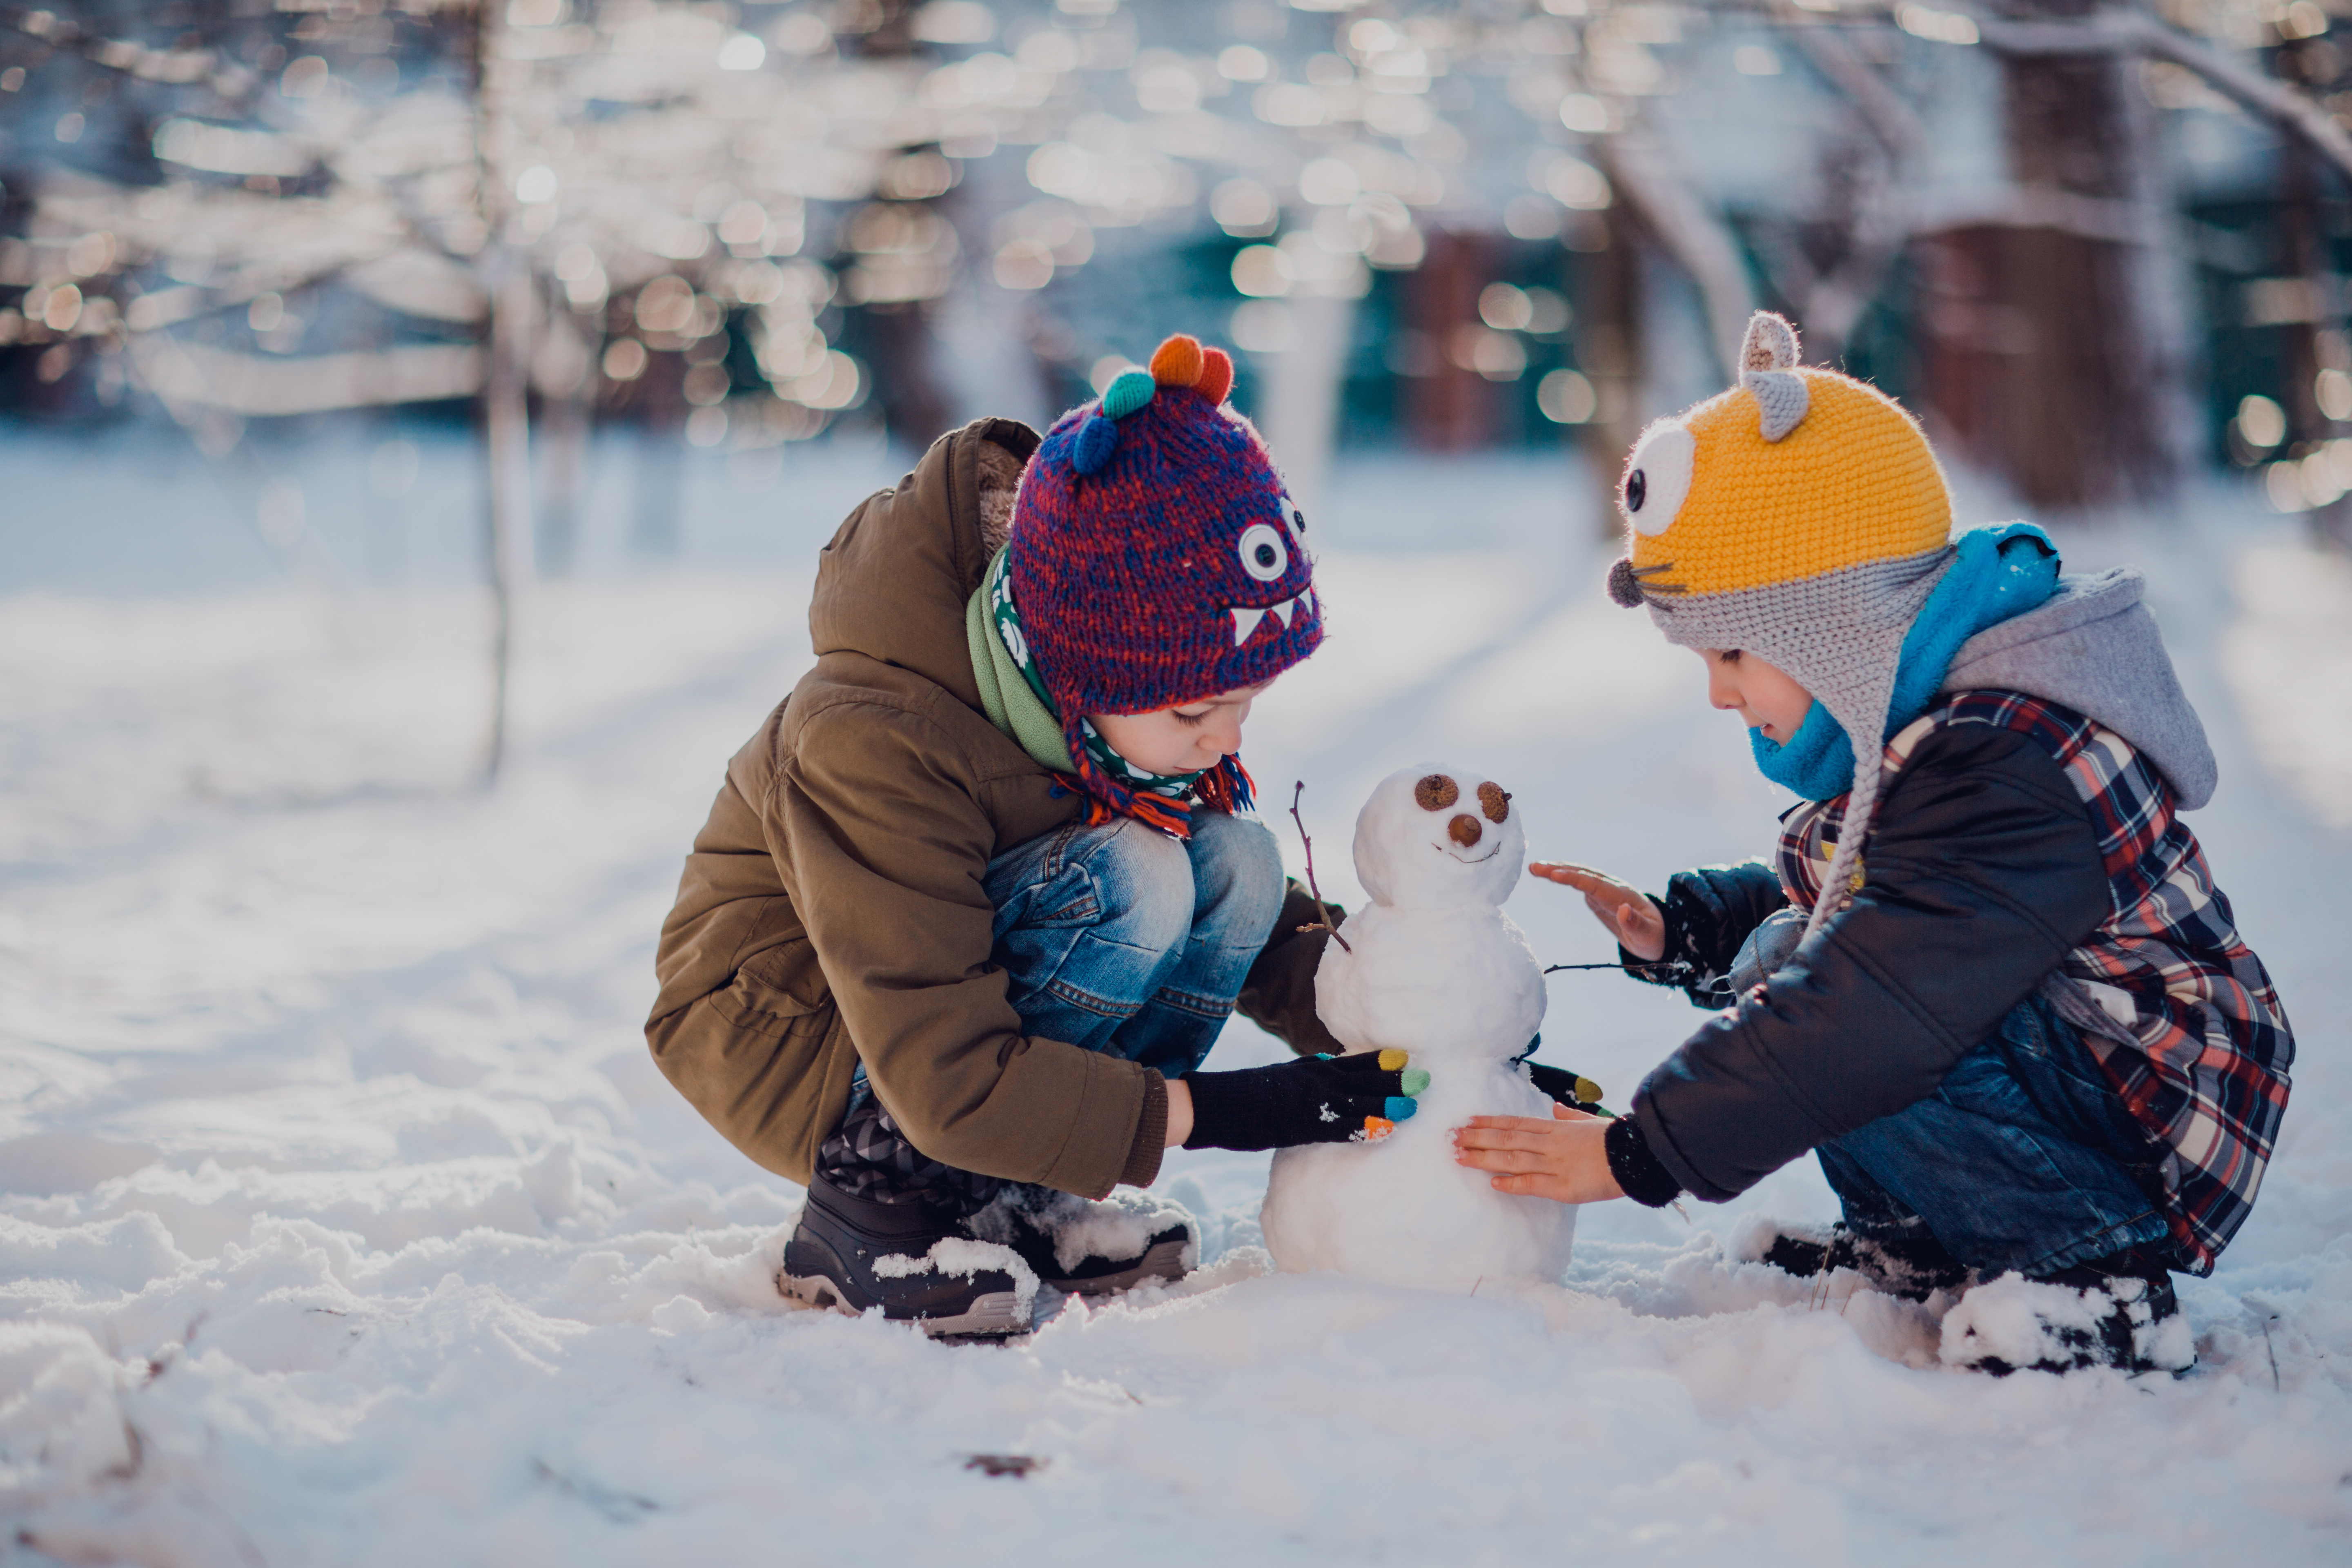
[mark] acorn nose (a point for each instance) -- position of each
(1463, 830)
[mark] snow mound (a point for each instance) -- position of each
(60, 1422)
(333, 1165)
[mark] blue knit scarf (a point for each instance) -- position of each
(2001, 571)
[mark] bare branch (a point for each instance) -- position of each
(2118, 32)
(1298, 789)
(1892, 121)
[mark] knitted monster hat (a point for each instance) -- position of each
(1801, 516)
(1156, 559)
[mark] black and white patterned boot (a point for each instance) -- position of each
(2088, 1316)
(915, 1260)
(1913, 1268)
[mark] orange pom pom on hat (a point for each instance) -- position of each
(1155, 559)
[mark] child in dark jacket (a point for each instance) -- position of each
(1989, 980)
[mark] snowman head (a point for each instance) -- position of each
(1433, 837)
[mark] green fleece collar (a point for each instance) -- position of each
(1006, 696)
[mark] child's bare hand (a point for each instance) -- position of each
(1563, 1159)
(1624, 908)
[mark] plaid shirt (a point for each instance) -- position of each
(2184, 1021)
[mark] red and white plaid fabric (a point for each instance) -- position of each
(2199, 1048)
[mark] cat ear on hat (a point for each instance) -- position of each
(1767, 364)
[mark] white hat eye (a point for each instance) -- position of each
(1264, 554)
(1657, 478)
(1296, 520)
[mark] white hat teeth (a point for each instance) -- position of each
(1245, 622)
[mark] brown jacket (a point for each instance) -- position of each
(833, 911)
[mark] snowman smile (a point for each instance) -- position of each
(1469, 859)
(1246, 618)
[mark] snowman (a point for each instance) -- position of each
(1431, 966)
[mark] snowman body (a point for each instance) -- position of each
(1433, 966)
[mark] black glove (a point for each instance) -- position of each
(1316, 1099)
(1571, 1090)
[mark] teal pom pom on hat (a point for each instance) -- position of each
(1127, 392)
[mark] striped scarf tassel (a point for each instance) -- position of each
(1227, 787)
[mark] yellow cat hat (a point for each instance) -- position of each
(1801, 516)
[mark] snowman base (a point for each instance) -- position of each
(1400, 1210)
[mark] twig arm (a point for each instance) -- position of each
(1298, 789)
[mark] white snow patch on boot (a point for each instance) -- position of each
(2168, 1345)
(1753, 1235)
(1119, 1227)
(2022, 1322)
(960, 1255)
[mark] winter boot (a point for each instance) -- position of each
(1911, 1268)
(1092, 1249)
(915, 1262)
(2110, 1313)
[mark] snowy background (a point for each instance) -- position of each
(344, 1217)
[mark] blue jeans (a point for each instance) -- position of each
(1116, 938)
(2023, 1158)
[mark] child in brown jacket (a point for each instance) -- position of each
(971, 907)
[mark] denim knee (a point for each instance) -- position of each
(1237, 878)
(2011, 1164)
(1143, 883)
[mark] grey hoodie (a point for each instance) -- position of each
(2094, 649)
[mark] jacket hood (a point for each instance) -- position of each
(2095, 648)
(893, 583)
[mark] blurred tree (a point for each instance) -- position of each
(733, 225)
(2056, 350)
(418, 189)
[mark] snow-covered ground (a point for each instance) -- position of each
(344, 1218)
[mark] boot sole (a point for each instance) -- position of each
(1165, 1261)
(992, 1316)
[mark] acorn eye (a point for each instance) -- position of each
(1435, 792)
(1658, 478)
(1264, 554)
(1495, 802)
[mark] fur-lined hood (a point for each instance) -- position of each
(893, 583)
